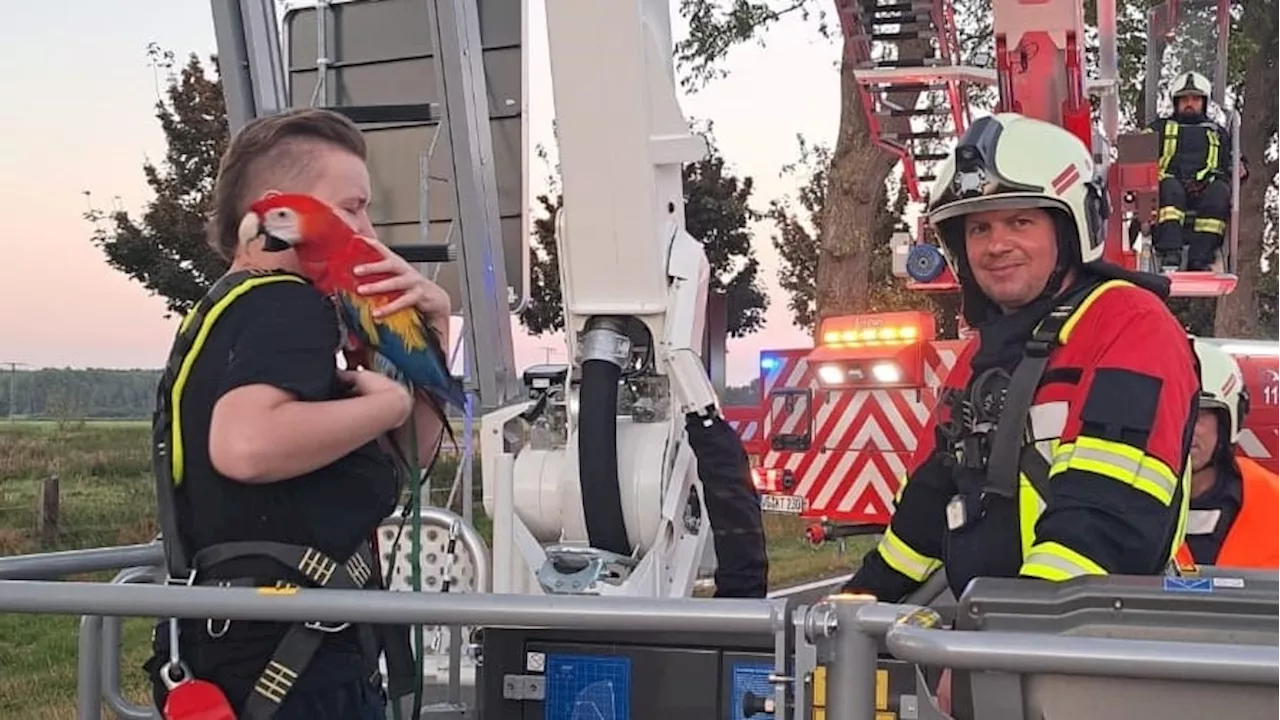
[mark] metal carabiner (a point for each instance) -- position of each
(226, 624)
(175, 661)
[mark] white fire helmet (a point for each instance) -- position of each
(1008, 161)
(1222, 386)
(1191, 83)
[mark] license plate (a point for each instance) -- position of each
(790, 504)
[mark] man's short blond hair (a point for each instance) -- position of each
(270, 152)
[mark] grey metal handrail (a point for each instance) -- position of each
(1093, 656)
(54, 565)
(110, 667)
(366, 606)
(100, 636)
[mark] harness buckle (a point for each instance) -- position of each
(320, 626)
(1038, 347)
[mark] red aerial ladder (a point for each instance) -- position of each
(837, 422)
(913, 106)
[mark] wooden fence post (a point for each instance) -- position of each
(47, 512)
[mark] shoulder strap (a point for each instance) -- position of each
(1004, 464)
(167, 461)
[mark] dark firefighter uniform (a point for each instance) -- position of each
(1195, 177)
(1102, 477)
(314, 530)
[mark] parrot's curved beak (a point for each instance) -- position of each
(251, 226)
(271, 243)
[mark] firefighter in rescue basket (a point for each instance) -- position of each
(1195, 179)
(1059, 446)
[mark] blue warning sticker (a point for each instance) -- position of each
(751, 678)
(1185, 584)
(588, 687)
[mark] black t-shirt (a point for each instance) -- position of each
(286, 335)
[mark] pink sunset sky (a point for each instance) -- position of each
(79, 117)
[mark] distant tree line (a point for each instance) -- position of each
(93, 393)
(61, 394)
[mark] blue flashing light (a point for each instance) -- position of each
(768, 363)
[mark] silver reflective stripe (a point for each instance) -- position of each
(1057, 562)
(909, 562)
(1136, 469)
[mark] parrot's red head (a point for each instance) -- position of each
(295, 222)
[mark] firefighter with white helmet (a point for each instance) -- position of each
(1059, 446)
(1195, 173)
(1235, 502)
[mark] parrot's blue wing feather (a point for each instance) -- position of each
(417, 353)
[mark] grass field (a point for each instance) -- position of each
(106, 498)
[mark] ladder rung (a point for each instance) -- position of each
(925, 63)
(927, 112)
(901, 7)
(370, 114)
(921, 135)
(911, 87)
(904, 35)
(907, 18)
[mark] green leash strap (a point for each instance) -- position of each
(410, 466)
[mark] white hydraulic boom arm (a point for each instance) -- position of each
(591, 483)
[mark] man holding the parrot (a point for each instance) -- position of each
(275, 467)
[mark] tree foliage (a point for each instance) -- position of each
(717, 26)
(165, 249)
(798, 226)
(57, 394)
(717, 211)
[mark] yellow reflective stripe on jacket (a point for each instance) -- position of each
(1057, 562)
(1171, 213)
(1211, 157)
(1184, 512)
(1053, 561)
(1030, 507)
(184, 371)
(1170, 147)
(1118, 461)
(1070, 325)
(903, 558)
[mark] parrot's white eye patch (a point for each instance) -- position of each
(282, 223)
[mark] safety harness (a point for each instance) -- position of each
(360, 571)
(1013, 453)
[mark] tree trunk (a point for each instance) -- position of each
(855, 189)
(1237, 313)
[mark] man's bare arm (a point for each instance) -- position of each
(260, 434)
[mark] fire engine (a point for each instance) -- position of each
(837, 423)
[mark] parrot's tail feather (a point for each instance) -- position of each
(453, 393)
(428, 397)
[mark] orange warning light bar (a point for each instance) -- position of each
(896, 328)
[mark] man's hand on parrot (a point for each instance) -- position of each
(430, 299)
(367, 383)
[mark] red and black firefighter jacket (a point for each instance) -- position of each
(1108, 432)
